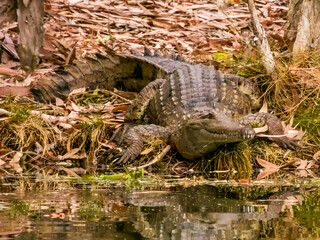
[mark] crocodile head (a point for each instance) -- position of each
(201, 136)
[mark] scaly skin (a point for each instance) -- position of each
(198, 108)
(193, 107)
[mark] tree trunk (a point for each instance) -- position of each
(7, 11)
(303, 25)
(31, 32)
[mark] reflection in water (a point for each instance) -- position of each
(197, 212)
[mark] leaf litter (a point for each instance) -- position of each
(75, 28)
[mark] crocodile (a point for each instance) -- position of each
(194, 107)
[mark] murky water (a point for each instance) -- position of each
(188, 212)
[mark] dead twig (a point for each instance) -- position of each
(155, 160)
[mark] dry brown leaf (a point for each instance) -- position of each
(49, 118)
(73, 115)
(266, 173)
(147, 151)
(113, 121)
(312, 164)
(59, 102)
(4, 112)
(303, 165)
(214, 42)
(264, 107)
(291, 163)
(39, 149)
(302, 173)
(15, 162)
(76, 107)
(14, 90)
(78, 170)
(9, 45)
(261, 129)
(120, 108)
(267, 165)
(78, 91)
(291, 132)
(69, 154)
(110, 145)
(2, 162)
(70, 172)
(64, 125)
(316, 155)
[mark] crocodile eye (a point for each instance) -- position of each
(208, 116)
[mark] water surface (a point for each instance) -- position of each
(206, 211)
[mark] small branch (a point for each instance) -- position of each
(155, 160)
(264, 48)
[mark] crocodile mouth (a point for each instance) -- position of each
(245, 135)
(225, 132)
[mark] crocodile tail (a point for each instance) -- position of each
(106, 72)
(158, 56)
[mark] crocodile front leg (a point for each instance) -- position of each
(274, 128)
(137, 135)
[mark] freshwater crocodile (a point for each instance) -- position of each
(192, 106)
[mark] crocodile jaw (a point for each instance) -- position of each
(201, 136)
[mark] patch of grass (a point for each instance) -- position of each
(233, 157)
(20, 115)
(19, 110)
(24, 135)
(308, 117)
(90, 97)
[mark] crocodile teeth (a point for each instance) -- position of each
(248, 136)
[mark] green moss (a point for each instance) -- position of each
(91, 97)
(221, 56)
(308, 117)
(88, 126)
(20, 115)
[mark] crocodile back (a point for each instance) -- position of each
(194, 91)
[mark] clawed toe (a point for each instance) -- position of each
(125, 156)
(285, 142)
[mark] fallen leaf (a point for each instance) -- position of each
(120, 108)
(291, 163)
(14, 90)
(39, 149)
(303, 165)
(75, 107)
(244, 180)
(4, 112)
(15, 162)
(264, 107)
(59, 102)
(214, 42)
(265, 128)
(302, 173)
(316, 155)
(267, 165)
(9, 46)
(69, 154)
(78, 91)
(147, 151)
(110, 145)
(291, 132)
(64, 125)
(312, 164)
(266, 173)
(70, 172)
